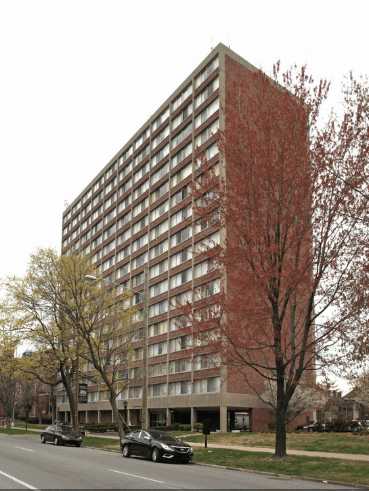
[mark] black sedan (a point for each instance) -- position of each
(61, 435)
(156, 445)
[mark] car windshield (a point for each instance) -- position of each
(65, 429)
(162, 435)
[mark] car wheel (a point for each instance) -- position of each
(43, 439)
(155, 455)
(125, 451)
(56, 441)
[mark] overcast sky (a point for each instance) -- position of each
(78, 78)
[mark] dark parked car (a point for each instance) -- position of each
(156, 445)
(61, 435)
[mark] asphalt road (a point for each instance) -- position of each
(27, 464)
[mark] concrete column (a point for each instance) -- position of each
(193, 418)
(145, 417)
(98, 416)
(65, 417)
(168, 417)
(112, 416)
(129, 417)
(223, 419)
(86, 417)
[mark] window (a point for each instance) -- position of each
(158, 269)
(140, 173)
(181, 236)
(125, 171)
(109, 247)
(182, 97)
(180, 388)
(207, 385)
(181, 257)
(159, 249)
(139, 157)
(139, 260)
(138, 279)
(182, 135)
(160, 119)
(158, 288)
(182, 116)
(210, 89)
(181, 215)
(159, 229)
(158, 308)
(163, 171)
(180, 195)
(125, 203)
(181, 343)
(137, 298)
(137, 354)
(158, 370)
(207, 133)
(108, 263)
(160, 191)
(181, 155)
(140, 189)
(158, 349)
(207, 243)
(178, 366)
(122, 271)
(140, 242)
(206, 361)
(123, 253)
(209, 153)
(135, 392)
(204, 268)
(181, 174)
(159, 211)
(136, 372)
(206, 113)
(158, 328)
(93, 397)
(124, 220)
(207, 290)
(213, 65)
(180, 300)
(140, 207)
(157, 390)
(179, 322)
(125, 187)
(109, 232)
(110, 216)
(141, 224)
(124, 236)
(160, 155)
(181, 278)
(160, 137)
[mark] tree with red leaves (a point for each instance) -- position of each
(293, 207)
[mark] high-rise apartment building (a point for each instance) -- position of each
(136, 221)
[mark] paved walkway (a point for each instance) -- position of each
(307, 453)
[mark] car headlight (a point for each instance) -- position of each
(191, 451)
(166, 447)
(64, 437)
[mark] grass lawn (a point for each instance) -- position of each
(12, 431)
(32, 426)
(307, 467)
(106, 443)
(324, 442)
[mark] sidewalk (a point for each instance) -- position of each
(307, 453)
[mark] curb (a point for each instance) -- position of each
(263, 473)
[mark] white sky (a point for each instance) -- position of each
(78, 78)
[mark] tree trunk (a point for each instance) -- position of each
(280, 420)
(67, 383)
(53, 404)
(119, 420)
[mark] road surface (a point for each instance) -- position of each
(27, 464)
